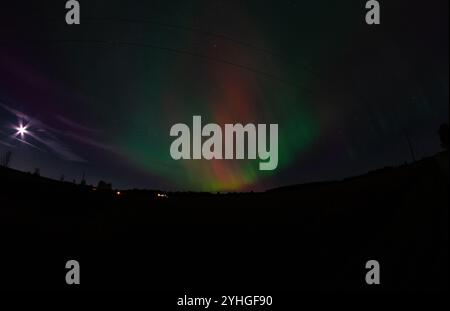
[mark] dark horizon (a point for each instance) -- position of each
(94, 185)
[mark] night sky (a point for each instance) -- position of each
(100, 98)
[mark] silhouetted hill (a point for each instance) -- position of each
(316, 236)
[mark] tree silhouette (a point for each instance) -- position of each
(104, 186)
(83, 180)
(5, 159)
(443, 135)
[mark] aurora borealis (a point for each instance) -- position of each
(102, 96)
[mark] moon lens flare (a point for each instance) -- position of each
(22, 130)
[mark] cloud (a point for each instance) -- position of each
(75, 125)
(6, 144)
(51, 137)
(17, 113)
(91, 142)
(42, 138)
(63, 151)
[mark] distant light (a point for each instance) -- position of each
(118, 193)
(162, 195)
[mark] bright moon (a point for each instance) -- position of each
(22, 130)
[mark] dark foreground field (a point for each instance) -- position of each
(316, 236)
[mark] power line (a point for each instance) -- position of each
(197, 31)
(191, 30)
(153, 46)
(185, 29)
